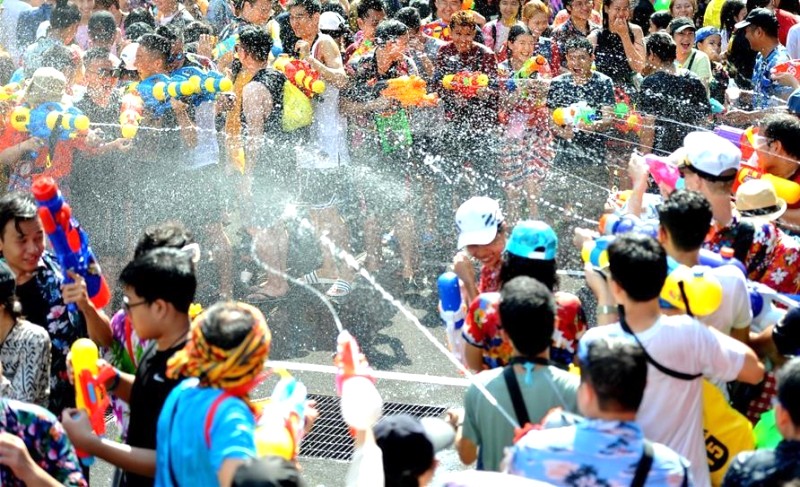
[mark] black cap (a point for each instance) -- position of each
(268, 472)
(8, 282)
(759, 17)
(408, 445)
(680, 24)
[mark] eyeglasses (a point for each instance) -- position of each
(109, 72)
(127, 305)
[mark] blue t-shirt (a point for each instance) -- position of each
(764, 87)
(182, 435)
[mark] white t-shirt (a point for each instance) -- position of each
(734, 312)
(672, 409)
(793, 41)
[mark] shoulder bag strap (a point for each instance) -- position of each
(516, 395)
(644, 465)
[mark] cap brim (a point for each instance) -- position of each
(482, 237)
(741, 25)
(683, 28)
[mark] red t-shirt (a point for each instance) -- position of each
(57, 167)
(785, 22)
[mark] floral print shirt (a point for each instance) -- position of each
(45, 439)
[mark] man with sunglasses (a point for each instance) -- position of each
(778, 151)
(613, 381)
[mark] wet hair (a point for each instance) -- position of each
(64, 15)
(516, 31)
(60, 57)
(727, 16)
(139, 15)
(543, 271)
(785, 129)
(533, 7)
(170, 235)
(788, 379)
(389, 30)
(167, 274)
(579, 43)
(310, 6)
(638, 264)
(616, 369)
(157, 44)
(256, 42)
(661, 19)
(102, 26)
(686, 216)
(225, 325)
(364, 6)
(17, 207)
(106, 4)
(170, 33)
(410, 17)
(96, 54)
(463, 18)
(662, 46)
(527, 314)
(421, 6)
(194, 30)
(137, 30)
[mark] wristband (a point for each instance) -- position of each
(606, 309)
(115, 382)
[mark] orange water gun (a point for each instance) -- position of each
(130, 114)
(784, 188)
(301, 74)
(465, 83)
(410, 91)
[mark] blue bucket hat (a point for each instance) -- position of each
(705, 33)
(533, 239)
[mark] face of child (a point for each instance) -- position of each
(712, 46)
(509, 9)
(579, 62)
(22, 245)
(522, 47)
(491, 253)
(462, 37)
(682, 8)
(538, 23)
(684, 40)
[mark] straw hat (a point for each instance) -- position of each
(756, 198)
(46, 85)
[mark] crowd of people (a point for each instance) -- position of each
(234, 148)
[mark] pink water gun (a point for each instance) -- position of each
(663, 171)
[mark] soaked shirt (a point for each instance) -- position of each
(481, 113)
(764, 87)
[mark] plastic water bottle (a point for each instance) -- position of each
(733, 92)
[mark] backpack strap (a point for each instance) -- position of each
(644, 465)
(212, 411)
(516, 395)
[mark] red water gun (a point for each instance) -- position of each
(465, 83)
(301, 74)
(90, 390)
(130, 114)
(792, 67)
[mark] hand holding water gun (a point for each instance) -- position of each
(575, 115)
(663, 171)
(70, 243)
(301, 74)
(361, 404)
(205, 83)
(42, 121)
(282, 424)
(148, 91)
(90, 391)
(784, 188)
(410, 91)
(465, 83)
(452, 311)
(130, 114)
(595, 252)
(629, 118)
(536, 64)
(792, 67)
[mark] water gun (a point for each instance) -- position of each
(790, 67)
(663, 171)
(467, 4)
(452, 311)
(361, 404)
(536, 64)
(762, 302)
(147, 90)
(281, 425)
(701, 290)
(629, 118)
(224, 47)
(465, 83)
(725, 256)
(209, 83)
(784, 188)
(410, 91)
(744, 139)
(301, 74)
(90, 391)
(177, 87)
(575, 114)
(70, 243)
(611, 224)
(275, 34)
(130, 114)
(595, 251)
(10, 91)
(50, 117)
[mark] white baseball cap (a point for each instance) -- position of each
(331, 21)
(128, 56)
(477, 220)
(711, 156)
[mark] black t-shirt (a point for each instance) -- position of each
(148, 394)
(641, 15)
(679, 97)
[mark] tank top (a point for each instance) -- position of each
(610, 58)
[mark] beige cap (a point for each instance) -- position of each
(757, 198)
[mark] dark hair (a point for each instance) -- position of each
(64, 15)
(788, 378)
(577, 43)
(543, 271)
(225, 325)
(607, 3)
(727, 16)
(638, 264)
(364, 6)
(170, 33)
(96, 54)
(661, 19)
(421, 6)
(165, 235)
(616, 369)
(463, 18)
(17, 207)
(770, 29)
(167, 274)
(785, 129)
(106, 4)
(662, 46)
(686, 216)
(410, 17)
(59, 57)
(134, 31)
(238, 5)
(156, 44)
(7, 67)
(310, 6)
(256, 42)
(13, 306)
(389, 30)
(516, 31)
(194, 30)
(139, 14)
(102, 26)
(792, 6)
(527, 314)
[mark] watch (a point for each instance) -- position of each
(606, 309)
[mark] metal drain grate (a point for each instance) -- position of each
(331, 438)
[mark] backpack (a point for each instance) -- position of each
(297, 109)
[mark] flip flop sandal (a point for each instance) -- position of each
(339, 289)
(313, 279)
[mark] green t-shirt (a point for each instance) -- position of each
(485, 426)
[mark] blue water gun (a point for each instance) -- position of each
(225, 47)
(612, 224)
(48, 118)
(452, 310)
(70, 243)
(199, 84)
(148, 89)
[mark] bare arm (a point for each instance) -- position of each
(474, 357)
(634, 50)
(741, 334)
(331, 67)
(227, 471)
(647, 139)
(752, 371)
